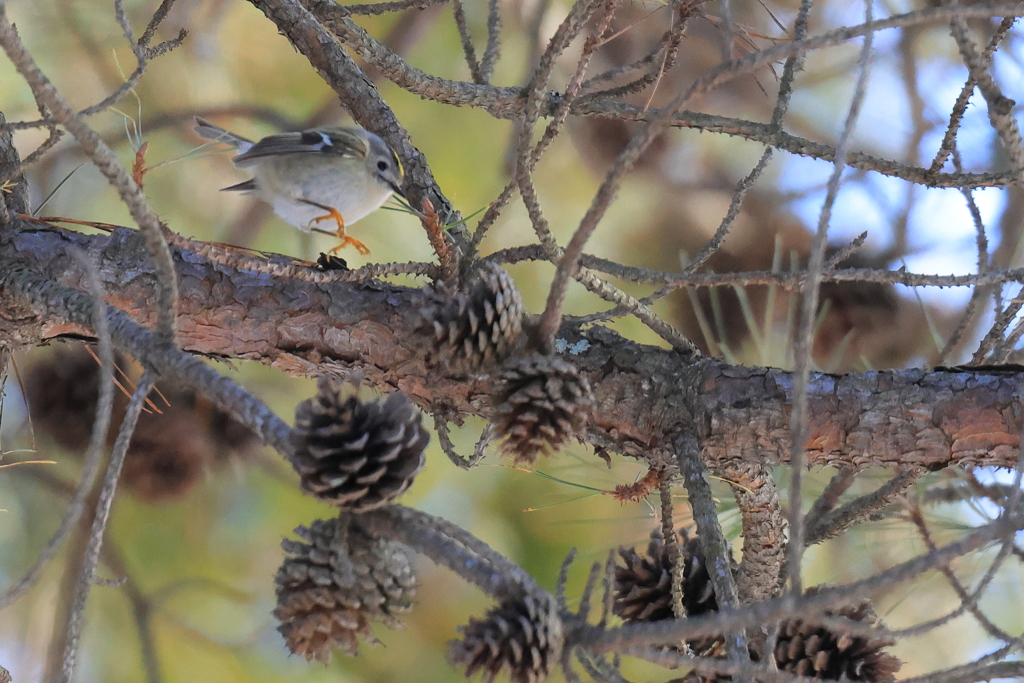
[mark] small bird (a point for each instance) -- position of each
(329, 173)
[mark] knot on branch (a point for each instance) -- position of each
(357, 455)
(330, 588)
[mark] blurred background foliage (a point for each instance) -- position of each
(196, 530)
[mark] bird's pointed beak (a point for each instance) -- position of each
(397, 190)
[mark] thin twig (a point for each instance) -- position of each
(377, 8)
(999, 106)
(97, 442)
(563, 579)
(491, 51)
(54, 137)
(839, 484)
(829, 523)
(444, 438)
(717, 550)
(467, 42)
(99, 524)
(715, 243)
(453, 547)
(969, 601)
(802, 348)
(790, 280)
(105, 160)
(960, 106)
(725, 25)
(671, 541)
(794, 63)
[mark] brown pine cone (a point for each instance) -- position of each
(166, 456)
(62, 390)
(643, 586)
(524, 634)
(807, 649)
(174, 442)
(355, 455)
(329, 589)
(478, 327)
(541, 403)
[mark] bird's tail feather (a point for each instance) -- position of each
(210, 131)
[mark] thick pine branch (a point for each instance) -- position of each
(899, 418)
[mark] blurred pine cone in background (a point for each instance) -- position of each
(178, 436)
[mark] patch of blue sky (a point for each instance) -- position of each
(943, 239)
(982, 510)
(941, 233)
(975, 136)
(839, 14)
(883, 124)
(1008, 67)
(859, 206)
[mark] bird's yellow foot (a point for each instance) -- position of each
(346, 240)
(334, 215)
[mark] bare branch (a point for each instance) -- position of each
(99, 524)
(490, 56)
(829, 523)
(97, 442)
(467, 42)
(960, 106)
(717, 550)
(998, 104)
(805, 332)
(105, 160)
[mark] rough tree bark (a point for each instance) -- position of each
(899, 418)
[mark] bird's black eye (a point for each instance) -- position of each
(382, 165)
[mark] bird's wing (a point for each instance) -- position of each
(317, 141)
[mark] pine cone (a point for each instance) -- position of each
(643, 586)
(524, 634)
(167, 455)
(329, 589)
(807, 649)
(541, 403)
(473, 329)
(171, 446)
(357, 456)
(62, 390)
